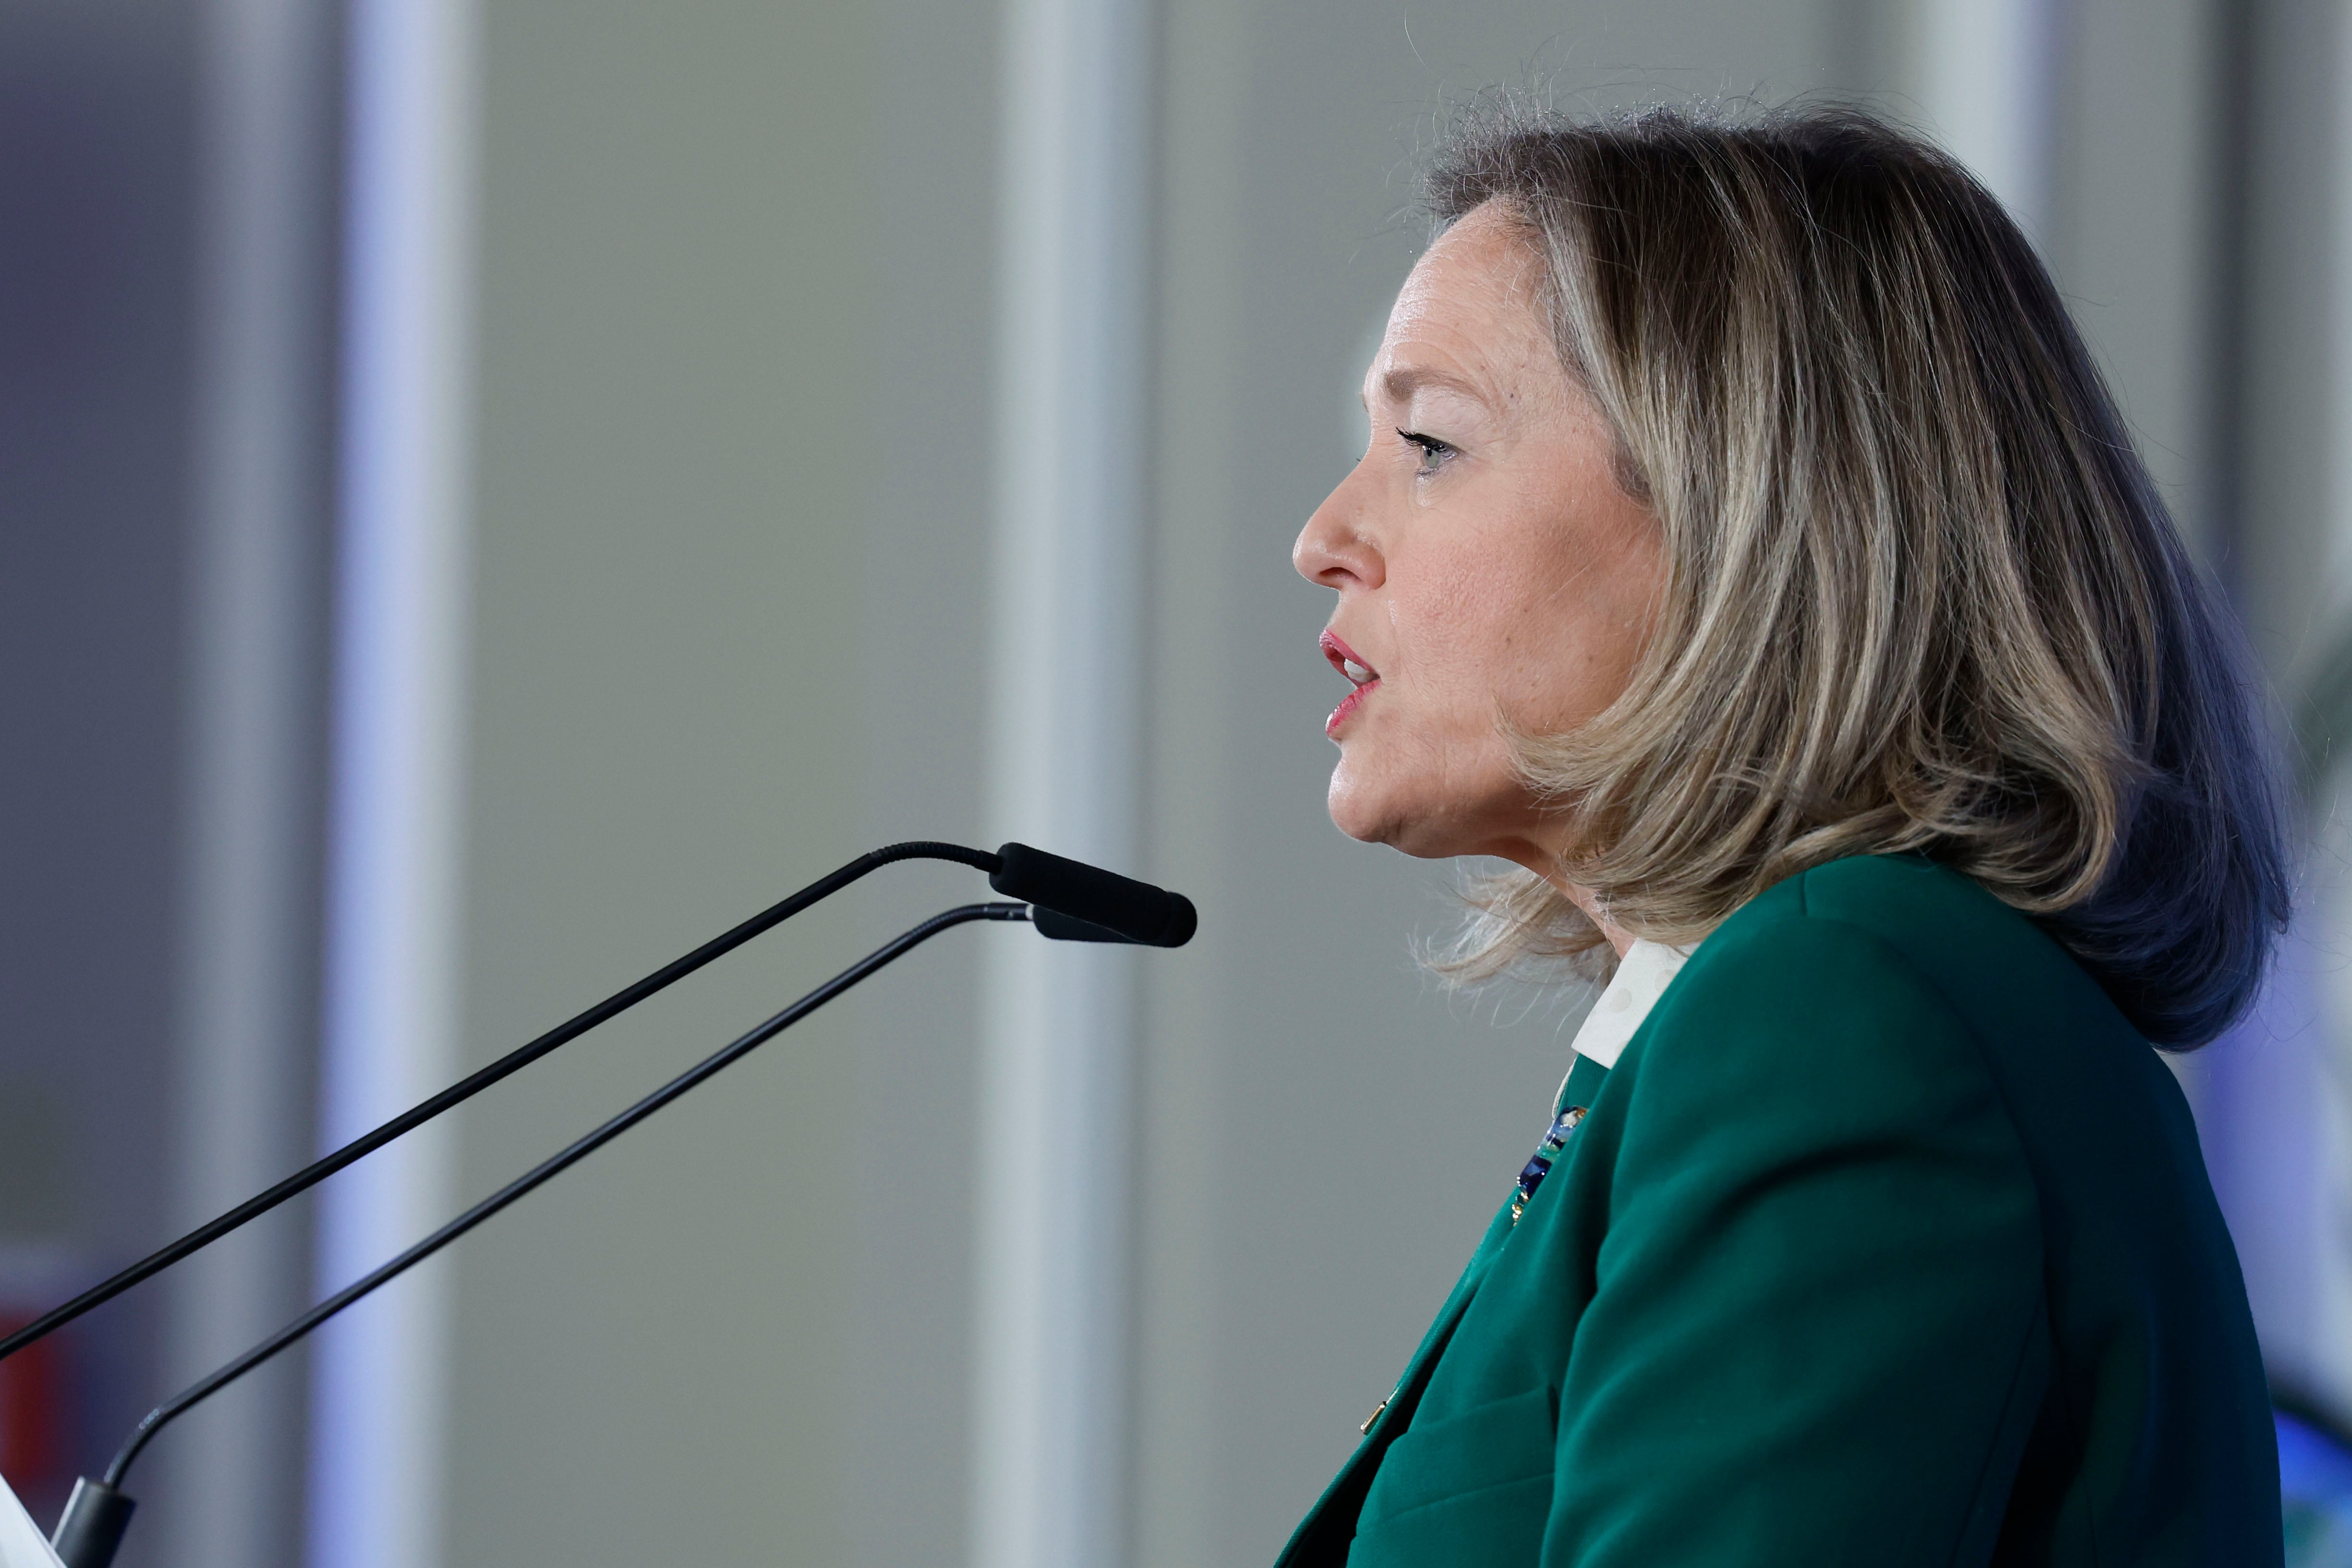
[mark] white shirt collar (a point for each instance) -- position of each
(1643, 977)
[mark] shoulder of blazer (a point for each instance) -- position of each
(1875, 998)
(1931, 934)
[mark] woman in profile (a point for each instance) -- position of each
(1747, 549)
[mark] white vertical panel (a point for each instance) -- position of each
(1065, 680)
(1987, 72)
(246, 1024)
(394, 891)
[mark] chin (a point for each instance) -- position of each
(1355, 811)
(1374, 816)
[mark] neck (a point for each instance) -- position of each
(1583, 900)
(1546, 865)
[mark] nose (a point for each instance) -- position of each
(1335, 549)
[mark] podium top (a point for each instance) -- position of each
(22, 1545)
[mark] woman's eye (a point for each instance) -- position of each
(1433, 452)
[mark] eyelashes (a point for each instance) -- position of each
(1433, 452)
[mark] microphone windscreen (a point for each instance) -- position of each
(1137, 911)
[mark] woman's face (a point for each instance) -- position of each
(1488, 566)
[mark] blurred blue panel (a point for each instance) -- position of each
(2315, 1493)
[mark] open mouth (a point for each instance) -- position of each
(1360, 675)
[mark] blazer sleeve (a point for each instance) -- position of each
(1817, 1332)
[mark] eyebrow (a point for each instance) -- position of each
(1399, 386)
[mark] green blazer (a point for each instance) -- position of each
(1887, 1242)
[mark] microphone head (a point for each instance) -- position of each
(1060, 927)
(1125, 908)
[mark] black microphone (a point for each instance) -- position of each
(98, 1512)
(1120, 907)
(1080, 903)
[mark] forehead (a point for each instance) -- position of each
(1475, 296)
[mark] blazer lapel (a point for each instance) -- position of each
(1324, 1536)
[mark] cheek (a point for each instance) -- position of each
(1473, 633)
(1524, 625)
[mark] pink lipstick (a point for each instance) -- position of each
(1363, 676)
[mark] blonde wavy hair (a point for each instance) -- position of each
(1921, 595)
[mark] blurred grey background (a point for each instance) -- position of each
(494, 491)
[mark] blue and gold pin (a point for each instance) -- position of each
(1539, 1164)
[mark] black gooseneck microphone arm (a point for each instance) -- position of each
(97, 1513)
(1072, 896)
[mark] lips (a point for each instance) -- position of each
(1361, 675)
